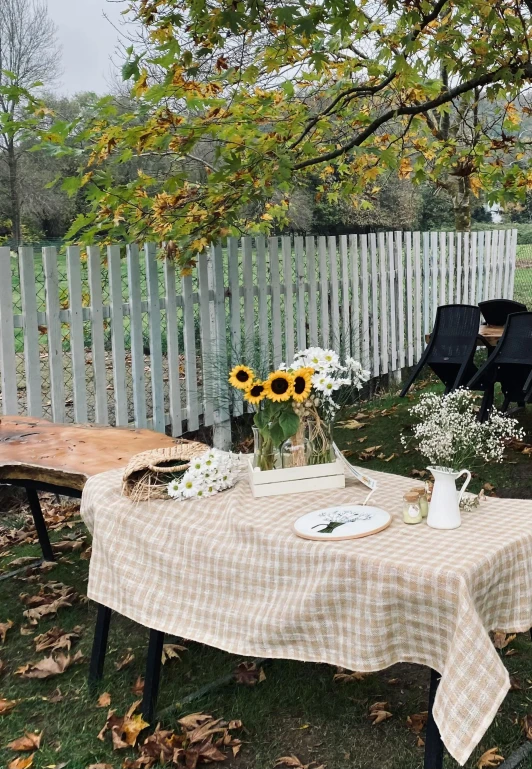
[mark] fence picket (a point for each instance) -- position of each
(346, 304)
(366, 345)
(458, 294)
(499, 251)
(398, 237)
(324, 291)
(335, 307)
(427, 315)
(156, 350)
(450, 273)
(434, 265)
(189, 340)
(384, 339)
(174, 388)
(97, 336)
(137, 341)
(443, 267)
(467, 267)
(206, 338)
(222, 424)
(474, 268)
(490, 263)
(374, 303)
(301, 313)
(310, 248)
(264, 341)
(288, 276)
(235, 314)
(392, 318)
(117, 335)
(8, 365)
(355, 298)
(55, 341)
(249, 299)
(505, 247)
(480, 267)
(275, 279)
(417, 294)
(513, 249)
(32, 362)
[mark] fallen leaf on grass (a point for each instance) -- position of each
(138, 687)
(23, 561)
(249, 674)
(69, 545)
(378, 712)
(295, 763)
(22, 762)
(56, 639)
(510, 652)
(393, 681)
(418, 473)
(417, 721)
(501, 640)
(489, 758)
(49, 666)
(100, 766)
(526, 725)
(125, 661)
(351, 424)
(6, 706)
(104, 700)
(515, 684)
(37, 613)
(124, 729)
(4, 627)
(170, 652)
(368, 453)
(29, 742)
(392, 456)
(347, 676)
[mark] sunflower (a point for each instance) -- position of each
(241, 377)
(302, 384)
(255, 392)
(279, 386)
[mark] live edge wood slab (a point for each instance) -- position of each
(67, 455)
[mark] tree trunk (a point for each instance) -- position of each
(462, 205)
(14, 196)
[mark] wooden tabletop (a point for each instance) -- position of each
(489, 335)
(67, 455)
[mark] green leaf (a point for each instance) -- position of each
(289, 422)
(277, 434)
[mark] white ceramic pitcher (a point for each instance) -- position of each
(444, 510)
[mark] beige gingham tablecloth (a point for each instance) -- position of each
(229, 572)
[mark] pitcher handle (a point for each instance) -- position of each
(466, 484)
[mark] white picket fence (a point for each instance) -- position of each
(119, 337)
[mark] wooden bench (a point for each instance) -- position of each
(39, 455)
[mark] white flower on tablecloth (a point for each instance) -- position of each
(208, 474)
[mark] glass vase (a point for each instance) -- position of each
(319, 442)
(266, 456)
(294, 451)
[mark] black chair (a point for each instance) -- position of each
(496, 311)
(510, 364)
(452, 346)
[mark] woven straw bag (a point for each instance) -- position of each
(148, 474)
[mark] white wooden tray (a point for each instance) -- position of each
(293, 480)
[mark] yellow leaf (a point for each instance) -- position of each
(489, 758)
(475, 184)
(29, 742)
(22, 762)
(104, 700)
(405, 168)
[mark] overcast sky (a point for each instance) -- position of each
(88, 41)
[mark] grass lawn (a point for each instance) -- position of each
(298, 709)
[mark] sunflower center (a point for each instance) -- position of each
(299, 385)
(242, 376)
(280, 386)
(256, 390)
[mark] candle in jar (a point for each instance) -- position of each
(423, 501)
(411, 508)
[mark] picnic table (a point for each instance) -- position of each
(410, 593)
(39, 455)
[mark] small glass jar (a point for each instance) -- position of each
(265, 455)
(423, 501)
(412, 508)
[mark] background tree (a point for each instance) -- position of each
(28, 56)
(246, 101)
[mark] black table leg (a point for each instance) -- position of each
(153, 674)
(99, 645)
(40, 525)
(433, 742)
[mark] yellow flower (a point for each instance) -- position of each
(302, 384)
(279, 386)
(255, 392)
(241, 377)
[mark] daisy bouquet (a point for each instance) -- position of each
(310, 389)
(208, 474)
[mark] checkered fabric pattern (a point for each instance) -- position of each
(229, 572)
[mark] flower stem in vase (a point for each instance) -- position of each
(293, 451)
(319, 442)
